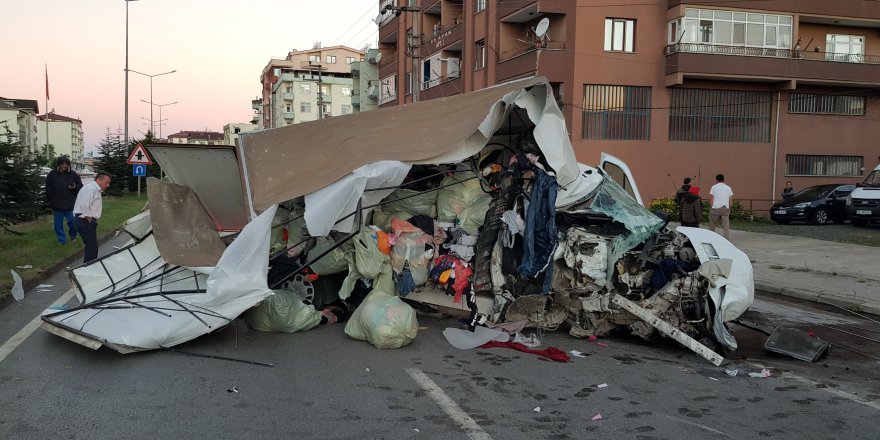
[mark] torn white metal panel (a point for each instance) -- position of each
(575, 192)
(143, 318)
(139, 226)
(668, 330)
(739, 286)
(326, 206)
(118, 271)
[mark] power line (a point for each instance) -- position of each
(354, 24)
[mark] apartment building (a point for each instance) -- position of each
(231, 131)
(65, 134)
(365, 82)
(308, 85)
(19, 116)
(197, 138)
(763, 92)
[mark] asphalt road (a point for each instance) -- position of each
(325, 385)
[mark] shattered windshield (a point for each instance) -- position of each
(612, 200)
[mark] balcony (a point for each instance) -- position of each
(388, 65)
(326, 97)
(707, 61)
(287, 115)
(525, 48)
(443, 37)
(863, 9)
(356, 98)
(287, 96)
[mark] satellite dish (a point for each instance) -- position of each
(542, 27)
(378, 57)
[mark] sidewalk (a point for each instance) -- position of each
(846, 275)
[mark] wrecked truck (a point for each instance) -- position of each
(473, 203)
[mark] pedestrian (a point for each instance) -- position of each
(62, 186)
(788, 191)
(691, 208)
(87, 211)
(720, 197)
(681, 192)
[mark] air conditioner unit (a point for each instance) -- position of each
(373, 92)
(375, 57)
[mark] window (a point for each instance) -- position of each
(346, 91)
(314, 58)
(619, 34)
(616, 112)
(807, 165)
(480, 5)
(305, 107)
(846, 48)
(349, 60)
(700, 115)
(707, 26)
(386, 17)
(330, 59)
(288, 108)
(480, 54)
(388, 89)
(325, 90)
(826, 104)
(346, 109)
(305, 89)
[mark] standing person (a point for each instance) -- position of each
(720, 197)
(87, 211)
(680, 193)
(788, 191)
(62, 186)
(691, 208)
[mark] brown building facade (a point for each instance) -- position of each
(761, 91)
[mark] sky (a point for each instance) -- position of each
(217, 47)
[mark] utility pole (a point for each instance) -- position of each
(320, 88)
(415, 44)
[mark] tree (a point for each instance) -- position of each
(21, 183)
(46, 156)
(112, 157)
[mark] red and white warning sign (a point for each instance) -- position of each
(139, 156)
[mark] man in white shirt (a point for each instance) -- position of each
(720, 198)
(87, 211)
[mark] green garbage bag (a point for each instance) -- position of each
(383, 320)
(465, 202)
(334, 262)
(285, 312)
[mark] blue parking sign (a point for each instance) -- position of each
(139, 170)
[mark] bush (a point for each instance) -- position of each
(666, 205)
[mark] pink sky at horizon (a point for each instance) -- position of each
(217, 47)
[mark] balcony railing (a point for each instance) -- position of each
(525, 48)
(386, 60)
(716, 49)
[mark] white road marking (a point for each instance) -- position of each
(827, 389)
(471, 428)
(688, 422)
(31, 327)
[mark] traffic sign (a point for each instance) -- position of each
(139, 156)
(139, 170)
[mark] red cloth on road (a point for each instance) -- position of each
(551, 353)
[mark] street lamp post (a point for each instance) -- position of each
(126, 70)
(160, 114)
(151, 91)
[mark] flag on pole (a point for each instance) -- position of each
(47, 82)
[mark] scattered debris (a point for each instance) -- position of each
(712, 378)
(416, 430)
(796, 343)
(602, 385)
(731, 373)
(368, 370)
(26, 266)
(577, 354)
(597, 417)
(764, 373)
(17, 289)
(234, 389)
(537, 409)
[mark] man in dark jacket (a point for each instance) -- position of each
(62, 185)
(691, 208)
(681, 193)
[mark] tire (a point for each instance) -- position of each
(820, 217)
(859, 223)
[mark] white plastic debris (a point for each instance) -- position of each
(26, 266)
(17, 289)
(764, 373)
(234, 389)
(712, 378)
(530, 341)
(731, 373)
(367, 370)
(45, 286)
(577, 354)
(416, 430)
(602, 385)
(597, 417)
(537, 409)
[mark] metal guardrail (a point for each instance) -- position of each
(717, 49)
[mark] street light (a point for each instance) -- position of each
(126, 70)
(160, 114)
(151, 89)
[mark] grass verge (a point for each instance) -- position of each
(39, 248)
(845, 233)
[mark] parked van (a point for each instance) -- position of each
(863, 204)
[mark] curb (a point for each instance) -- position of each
(51, 271)
(828, 303)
